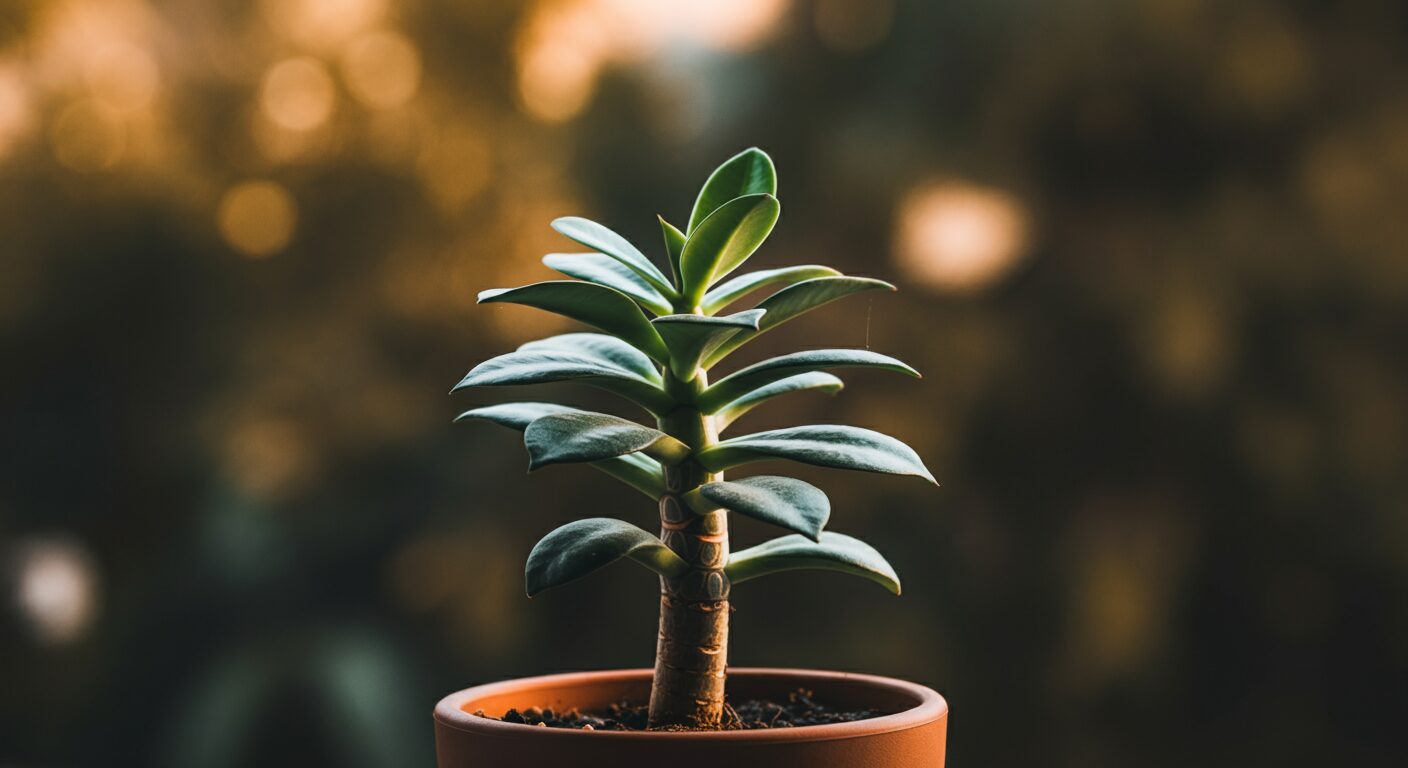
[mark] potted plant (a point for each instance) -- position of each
(661, 336)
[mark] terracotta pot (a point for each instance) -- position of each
(913, 737)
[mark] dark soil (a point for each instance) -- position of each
(800, 709)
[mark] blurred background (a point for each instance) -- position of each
(1154, 265)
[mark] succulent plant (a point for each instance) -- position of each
(661, 337)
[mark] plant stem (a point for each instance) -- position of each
(691, 653)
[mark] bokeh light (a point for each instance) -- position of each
(382, 69)
(88, 135)
(956, 236)
(257, 218)
(122, 76)
(298, 94)
(56, 588)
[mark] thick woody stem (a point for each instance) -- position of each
(692, 649)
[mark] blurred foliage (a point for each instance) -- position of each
(1155, 252)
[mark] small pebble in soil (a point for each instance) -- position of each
(800, 709)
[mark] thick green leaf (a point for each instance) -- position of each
(583, 546)
(599, 238)
(795, 300)
(835, 552)
(636, 470)
(722, 242)
(802, 381)
(691, 337)
(563, 438)
(603, 270)
(741, 286)
(606, 308)
(823, 445)
(674, 246)
(544, 366)
(515, 415)
(741, 382)
(607, 349)
(749, 172)
(781, 501)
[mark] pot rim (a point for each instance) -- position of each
(450, 712)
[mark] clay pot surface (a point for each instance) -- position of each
(913, 737)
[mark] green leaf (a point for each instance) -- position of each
(835, 552)
(606, 308)
(780, 501)
(583, 546)
(691, 337)
(795, 300)
(741, 286)
(828, 445)
(749, 172)
(599, 238)
(544, 366)
(603, 270)
(741, 382)
(802, 381)
(636, 470)
(724, 241)
(562, 438)
(515, 415)
(607, 349)
(674, 245)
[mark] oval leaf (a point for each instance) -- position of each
(606, 308)
(674, 246)
(603, 270)
(544, 366)
(585, 436)
(599, 238)
(741, 286)
(741, 382)
(781, 501)
(640, 472)
(691, 337)
(795, 300)
(607, 349)
(835, 552)
(828, 445)
(583, 546)
(722, 242)
(749, 172)
(802, 381)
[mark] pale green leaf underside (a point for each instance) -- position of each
(596, 305)
(608, 349)
(600, 238)
(603, 270)
(818, 380)
(782, 501)
(583, 546)
(828, 445)
(674, 246)
(798, 299)
(636, 470)
(745, 380)
(545, 366)
(562, 438)
(723, 241)
(749, 172)
(835, 552)
(736, 288)
(691, 337)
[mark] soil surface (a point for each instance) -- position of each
(800, 709)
